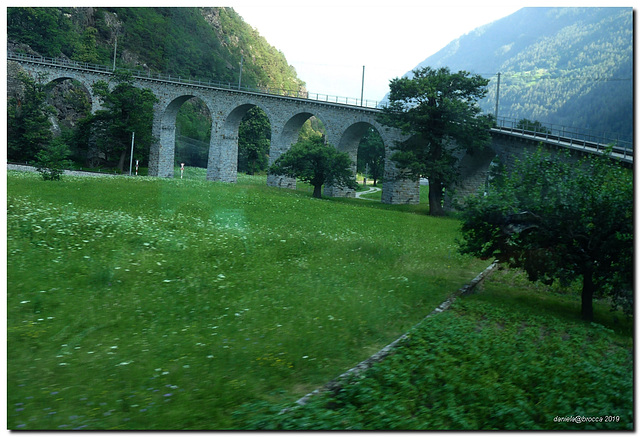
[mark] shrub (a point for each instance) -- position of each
(52, 160)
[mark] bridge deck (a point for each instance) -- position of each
(621, 153)
(367, 105)
(624, 154)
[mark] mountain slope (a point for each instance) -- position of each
(567, 66)
(208, 43)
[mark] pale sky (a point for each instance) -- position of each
(328, 45)
(328, 42)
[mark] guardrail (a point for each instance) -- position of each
(569, 137)
(141, 74)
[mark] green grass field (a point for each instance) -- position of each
(513, 356)
(142, 303)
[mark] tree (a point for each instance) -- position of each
(560, 220)
(254, 140)
(371, 155)
(46, 30)
(439, 109)
(127, 109)
(534, 126)
(313, 161)
(86, 50)
(28, 125)
(52, 160)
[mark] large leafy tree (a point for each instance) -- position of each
(560, 220)
(28, 125)
(126, 109)
(439, 110)
(311, 160)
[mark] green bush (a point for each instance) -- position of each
(52, 160)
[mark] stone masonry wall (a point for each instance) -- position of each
(345, 127)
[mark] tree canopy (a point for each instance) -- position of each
(126, 109)
(311, 160)
(439, 110)
(28, 125)
(371, 156)
(254, 141)
(559, 220)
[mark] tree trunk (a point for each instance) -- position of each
(588, 289)
(435, 198)
(123, 156)
(317, 191)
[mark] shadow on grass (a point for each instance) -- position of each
(510, 289)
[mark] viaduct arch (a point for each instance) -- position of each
(345, 124)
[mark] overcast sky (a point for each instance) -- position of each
(328, 45)
(328, 42)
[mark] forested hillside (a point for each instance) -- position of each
(568, 66)
(206, 43)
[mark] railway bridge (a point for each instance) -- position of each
(346, 122)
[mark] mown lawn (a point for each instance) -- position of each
(141, 303)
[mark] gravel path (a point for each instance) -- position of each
(369, 191)
(66, 172)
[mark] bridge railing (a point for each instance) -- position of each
(566, 135)
(146, 74)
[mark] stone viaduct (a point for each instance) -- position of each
(345, 126)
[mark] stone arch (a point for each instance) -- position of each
(162, 154)
(223, 153)
(72, 100)
(281, 141)
(88, 91)
(348, 143)
(473, 171)
(192, 147)
(52, 76)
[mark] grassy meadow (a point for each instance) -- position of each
(145, 303)
(512, 356)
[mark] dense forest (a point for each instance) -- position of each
(206, 43)
(567, 66)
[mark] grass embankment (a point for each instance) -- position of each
(142, 303)
(513, 357)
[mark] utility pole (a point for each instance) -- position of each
(240, 78)
(497, 96)
(133, 135)
(362, 90)
(115, 49)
